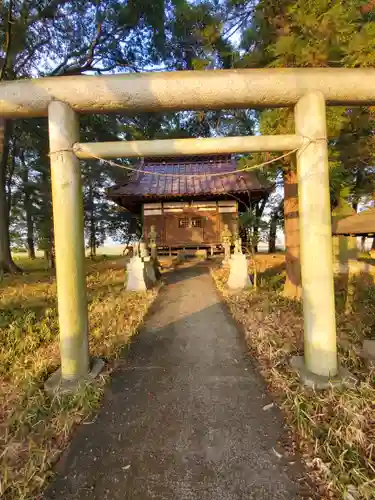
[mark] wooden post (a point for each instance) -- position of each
(69, 242)
(316, 237)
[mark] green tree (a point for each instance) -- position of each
(319, 33)
(59, 37)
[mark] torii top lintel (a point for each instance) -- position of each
(180, 90)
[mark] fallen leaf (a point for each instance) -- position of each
(268, 407)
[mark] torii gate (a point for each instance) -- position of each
(308, 90)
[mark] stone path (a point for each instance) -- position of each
(183, 418)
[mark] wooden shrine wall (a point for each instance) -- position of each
(197, 223)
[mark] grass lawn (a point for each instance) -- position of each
(334, 430)
(35, 428)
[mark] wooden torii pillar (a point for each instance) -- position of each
(67, 202)
(318, 367)
(308, 90)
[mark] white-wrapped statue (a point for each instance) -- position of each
(239, 271)
(136, 280)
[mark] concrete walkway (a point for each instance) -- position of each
(183, 418)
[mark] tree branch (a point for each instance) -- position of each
(8, 37)
(47, 12)
(94, 43)
(30, 55)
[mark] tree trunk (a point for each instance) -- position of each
(27, 206)
(10, 167)
(273, 228)
(259, 209)
(255, 238)
(30, 245)
(292, 287)
(92, 238)
(272, 235)
(47, 223)
(50, 258)
(6, 261)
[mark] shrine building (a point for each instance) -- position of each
(186, 203)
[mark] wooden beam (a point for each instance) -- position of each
(179, 90)
(179, 147)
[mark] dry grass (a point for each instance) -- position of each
(334, 429)
(35, 428)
